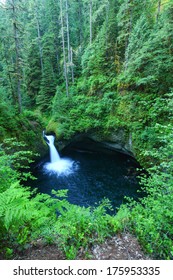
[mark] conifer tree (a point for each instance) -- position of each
(47, 87)
(63, 47)
(14, 62)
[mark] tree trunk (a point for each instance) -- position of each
(91, 35)
(107, 19)
(10, 79)
(72, 65)
(39, 39)
(158, 10)
(17, 60)
(68, 34)
(130, 9)
(63, 47)
(68, 43)
(80, 25)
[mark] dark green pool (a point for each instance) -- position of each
(91, 177)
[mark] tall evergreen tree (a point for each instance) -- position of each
(47, 87)
(150, 60)
(14, 59)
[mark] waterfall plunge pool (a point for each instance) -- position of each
(89, 176)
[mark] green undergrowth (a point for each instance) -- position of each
(80, 113)
(26, 216)
(80, 227)
(26, 127)
(151, 219)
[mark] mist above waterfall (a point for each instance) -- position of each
(57, 166)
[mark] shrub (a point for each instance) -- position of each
(151, 219)
(80, 227)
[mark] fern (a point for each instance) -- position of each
(24, 215)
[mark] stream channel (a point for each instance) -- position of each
(90, 175)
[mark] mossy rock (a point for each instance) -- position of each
(52, 128)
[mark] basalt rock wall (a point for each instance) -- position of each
(118, 140)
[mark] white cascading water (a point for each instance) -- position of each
(57, 165)
(54, 156)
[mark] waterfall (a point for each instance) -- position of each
(54, 156)
(57, 165)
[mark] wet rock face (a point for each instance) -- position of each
(118, 140)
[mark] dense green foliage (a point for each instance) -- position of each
(26, 215)
(151, 220)
(80, 66)
(79, 113)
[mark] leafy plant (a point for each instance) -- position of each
(151, 219)
(80, 227)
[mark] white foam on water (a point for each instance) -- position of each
(61, 167)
